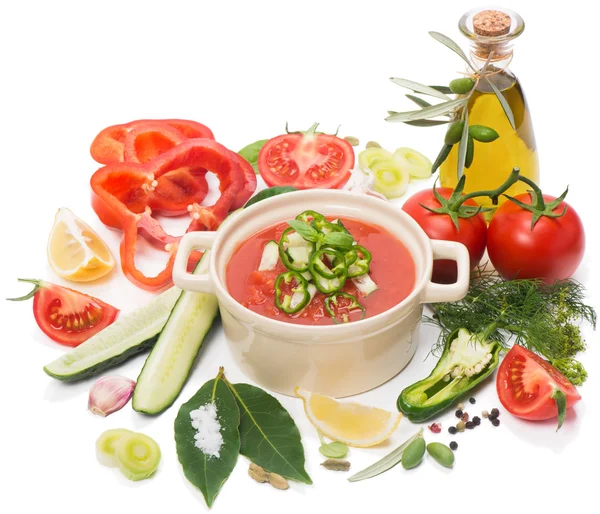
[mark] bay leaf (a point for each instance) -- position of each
(269, 436)
(208, 473)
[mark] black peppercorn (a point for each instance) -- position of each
(472, 400)
(470, 425)
(459, 414)
(453, 445)
(495, 422)
(452, 430)
(477, 420)
(495, 412)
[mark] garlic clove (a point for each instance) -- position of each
(109, 394)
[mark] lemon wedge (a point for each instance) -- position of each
(75, 251)
(348, 422)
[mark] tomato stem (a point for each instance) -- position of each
(491, 193)
(538, 206)
(38, 285)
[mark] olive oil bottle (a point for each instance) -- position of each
(494, 31)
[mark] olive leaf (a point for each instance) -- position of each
(269, 436)
(505, 106)
(420, 88)
(250, 153)
(443, 89)
(206, 472)
(419, 101)
(445, 40)
(462, 147)
(428, 112)
(427, 123)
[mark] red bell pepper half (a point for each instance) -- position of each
(124, 196)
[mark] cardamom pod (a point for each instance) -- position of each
(373, 144)
(258, 473)
(278, 482)
(352, 140)
(336, 464)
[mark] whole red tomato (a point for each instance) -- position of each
(471, 231)
(551, 249)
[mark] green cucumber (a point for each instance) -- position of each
(129, 334)
(170, 361)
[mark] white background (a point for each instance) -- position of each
(244, 69)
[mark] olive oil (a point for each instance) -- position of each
(493, 161)
(492, 33)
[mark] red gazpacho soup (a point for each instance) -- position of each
(298, 272)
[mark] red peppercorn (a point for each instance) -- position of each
(436, 428)
(465, 417)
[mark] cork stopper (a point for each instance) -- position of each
(491, 23)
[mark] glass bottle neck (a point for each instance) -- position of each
(502, 54)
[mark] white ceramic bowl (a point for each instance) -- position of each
(336, 360)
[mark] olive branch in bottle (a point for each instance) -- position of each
(454, 110)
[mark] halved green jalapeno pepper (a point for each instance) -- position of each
(318, 267)
(466, 361)
(354, 305)
(361, 265)
(287, 304)
(284, 253)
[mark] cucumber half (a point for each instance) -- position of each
(128, 335)
(173, 355)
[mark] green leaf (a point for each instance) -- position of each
(420, 88)
(269, 436)
(387, 462)
(445, 40)
(268, 193)
(505, 107)
(305, 230)
(462, 147)
(419, 101)
(338, 240)
(208, 473)
(427, 123)
(561, 404)
(428, 112)
(250, 153)
(333, 450)
(443, 89)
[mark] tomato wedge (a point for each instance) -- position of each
(531, 388)
(65, 315)
(306, 160)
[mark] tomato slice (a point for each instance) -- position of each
(526, 384)
(68, 316)
(306, 161)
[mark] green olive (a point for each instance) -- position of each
(454, 133)
(483, 133)
(441, 453)
(413, 453)
(470, 152)
(462, 86)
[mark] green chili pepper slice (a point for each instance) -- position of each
(287, 259)
(306, 215)
(300, 291)
(354, 305)
(361, 265)
(325, 227)
(318, 267)
(329, 285)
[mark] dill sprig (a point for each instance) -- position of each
(543, 318)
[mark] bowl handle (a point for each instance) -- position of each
(184, 280)
(449, 292)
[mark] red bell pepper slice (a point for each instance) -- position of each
(145, 141)
(123, 194)
(108, 146)
(249, 182)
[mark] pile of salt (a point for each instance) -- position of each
(208, 439)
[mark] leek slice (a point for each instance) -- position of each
(137, 455)
(390, 179)
(106, 446)
(413, 162)
(371, 156)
